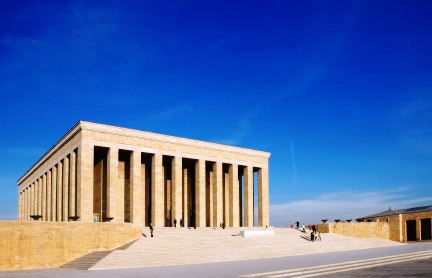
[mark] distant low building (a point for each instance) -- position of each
(411, 224)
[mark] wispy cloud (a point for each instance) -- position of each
(22, 151)
(293, 162)
(343, 205)
(422, 103)
(241, 131)
(414, 120)
(172, 112)
(7, 182)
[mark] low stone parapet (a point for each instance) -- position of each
(29, 245)
(257, 233)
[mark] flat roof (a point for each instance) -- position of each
(398, 211)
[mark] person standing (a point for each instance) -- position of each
(175, 223)
(151, 229)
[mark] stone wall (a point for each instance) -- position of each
(27, 245)
(359, 230)
(417, 217)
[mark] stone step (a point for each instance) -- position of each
(87, 261)
(171, 246)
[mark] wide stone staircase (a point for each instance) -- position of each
(176, 246)
(87, 261)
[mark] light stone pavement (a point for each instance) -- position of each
(181, 246)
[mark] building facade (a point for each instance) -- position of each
(405, 225)
(101, 173)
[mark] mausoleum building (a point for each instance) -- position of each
(102, 173)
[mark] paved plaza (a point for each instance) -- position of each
(222, 253)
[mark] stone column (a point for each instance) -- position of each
(54, 194)
(248, 196)
(22, 205)
(40, 190)
(200, 181)
(157, 186)
(217, 194)
(137, 189)
(21, 216)
(227, 195)
(35, 197)
(65, 203)
(72, 185)
(211, 180)
(59, 191)
(44, 198)
(176, 177)
(49, 196)
(25, 205)
(418, 229)
(263, 198)
(85, 182)
(234, 198)
(31, 202)
(185, 198)
(28, 204)
(115, 196)
(145, 193)
(401, 232)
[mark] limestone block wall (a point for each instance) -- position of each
(358, 230)
(27, 245)
(323, 228)
(417, 217)
(394, 228)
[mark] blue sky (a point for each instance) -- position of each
(339, 92)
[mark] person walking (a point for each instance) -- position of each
(304, 228)
(151, 229)
(318, 236)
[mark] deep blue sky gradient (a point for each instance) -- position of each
(339, 92)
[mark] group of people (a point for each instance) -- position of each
(314, 235)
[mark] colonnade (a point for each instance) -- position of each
(53, 195)
(107, 183)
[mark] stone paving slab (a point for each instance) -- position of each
(204, 245)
